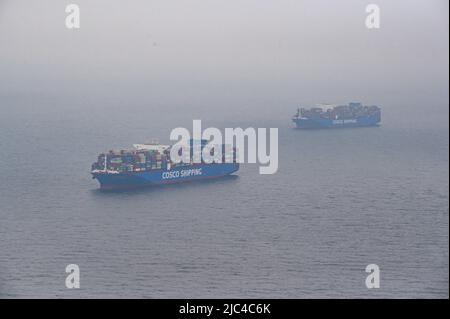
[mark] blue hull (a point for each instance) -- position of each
(162, 176)
(308, 123)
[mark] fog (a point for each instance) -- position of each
(135, 70)
(233, 54)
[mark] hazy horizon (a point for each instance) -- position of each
(231, 53)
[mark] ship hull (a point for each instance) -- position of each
(161, 176)
(307, 123)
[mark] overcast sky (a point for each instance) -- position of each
(313, 50)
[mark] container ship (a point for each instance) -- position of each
(351, 115)
(150, 165)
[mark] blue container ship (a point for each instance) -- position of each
(351, 115)
(150, 165)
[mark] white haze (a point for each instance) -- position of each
(237, 55)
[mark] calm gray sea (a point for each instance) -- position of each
(341, 200)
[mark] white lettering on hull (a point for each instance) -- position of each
(345, 121)
(181, 173)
